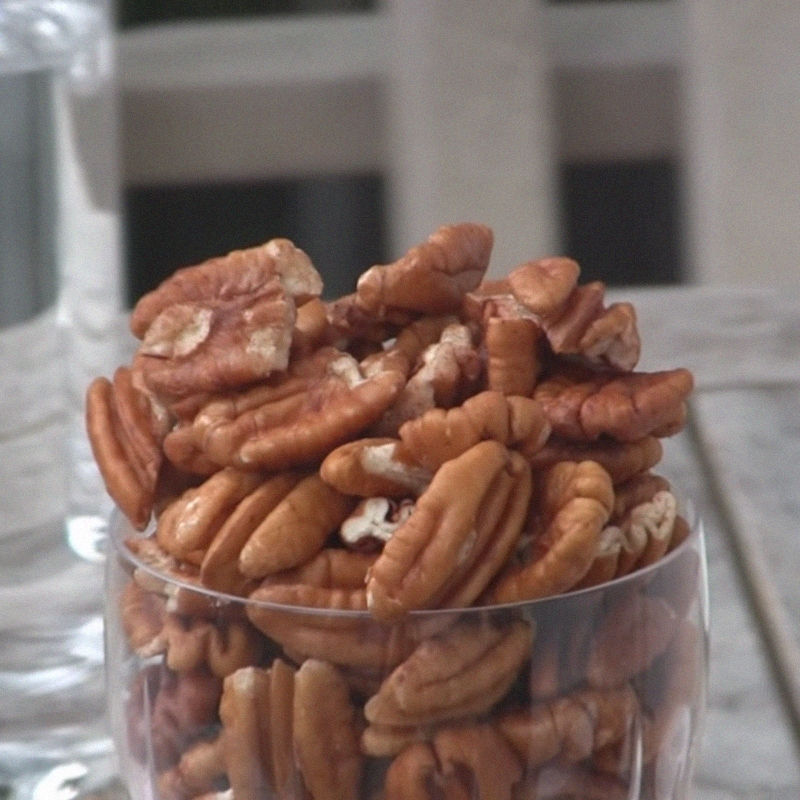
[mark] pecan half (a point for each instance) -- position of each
(325, 401)
(576, 503)
(376, 467)
(223, 323)
(627, 407)
(453, 522)
(296, 529)
(543, 286)
(433, 277)
(440, 435)
(460, 673)
(325, 735)
(123, 433)
(512, 352)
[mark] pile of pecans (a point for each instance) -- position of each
(432, 441)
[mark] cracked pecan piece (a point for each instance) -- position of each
(374, 467)
(431, 278)
(440, 435)
(124, 435)
(223, 323)
(576, 504)
(324, 401)
(626, 407)
(474, 500)
(373, 523)
(460, 673)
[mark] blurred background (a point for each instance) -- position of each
(631, 135)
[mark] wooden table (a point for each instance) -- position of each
(739, 458)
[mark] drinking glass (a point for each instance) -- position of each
(60, 325)
(595, 693)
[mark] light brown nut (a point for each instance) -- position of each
(311, 328)
(622, 460)
(331, 568)
(446, 371)
(410, 775)
(296, 529)
(633, 633)
(417, 337)
(375, 467)
(386, 741)
(512, 350)
(607, 558)
(353, 323)
(639, 489)
(287, 780)
(190, 523)
(373, 523)
(627, 407)
(326, 739)
(440, 435)
(576, 505)
(182, 451)
(566, 327)
(245, 713)
(491, 765)
(124, 447)
(325, 401)
(648, 528)
(613, 338)
(219, 569)
(543, 286)
(462, 672)
(453, 522)
(200, 769)
(432, 277)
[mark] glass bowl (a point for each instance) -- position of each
(598, 693)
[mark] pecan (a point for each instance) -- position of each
(142, 614)
(219, 569)
(433, 277)
(296, 529)
(382, 741)
(190, 523)
(200, 769)
(647, 531)
(577, 502)
(182, 451)
(627, 407)
(462, 672)
(512, 351)
(445, 372)
(374, 467)
(453, 524)
(543, 286)
(622, 460)
(347, 318)
(311, 328)
(122, 434)
(632, 634)
(326, 740)
(324, 401)
(169, 712)
(566, 327)
(571, 727)
(440, 435)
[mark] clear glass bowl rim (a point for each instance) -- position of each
(120, 530)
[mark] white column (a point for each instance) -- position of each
(742, 145)
(470, 124)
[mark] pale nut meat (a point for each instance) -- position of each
(453, 522)
(296, 529)
(124, 447)
(373, 523)
(650, 525)
(432, 277)
(577, 503)
(625, 407)
(325, 732)
(440, 435)
(374, 467)
(325, 401)
(459, 673)
(544, 285)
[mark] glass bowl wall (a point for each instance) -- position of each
(598, 693)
